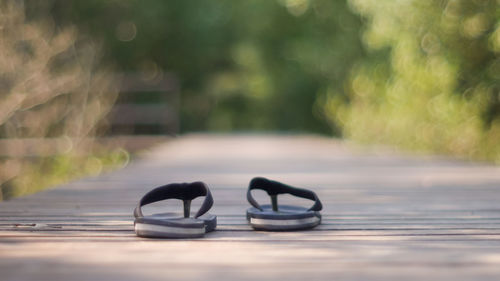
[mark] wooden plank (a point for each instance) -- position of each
(386, 216)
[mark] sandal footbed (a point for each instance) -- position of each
(287, 218)
(206, 222)
(285, 212)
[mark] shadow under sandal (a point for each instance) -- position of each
(284, 217)
(172, 225)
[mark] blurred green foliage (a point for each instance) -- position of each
(421, 74)
(242, 65)
(53, 97)
(431, 81)
(45, 172)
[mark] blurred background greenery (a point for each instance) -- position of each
(422, 75)
(242, 65)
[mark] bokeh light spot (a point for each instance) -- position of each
(126, 31)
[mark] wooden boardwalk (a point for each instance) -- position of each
(386, 216)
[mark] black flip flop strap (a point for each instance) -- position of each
(274, 188)
(182, 191)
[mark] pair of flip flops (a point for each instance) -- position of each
(271, 217)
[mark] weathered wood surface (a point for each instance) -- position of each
(386, 216)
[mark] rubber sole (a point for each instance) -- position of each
(161, 231)
(172, 226)
(287, 219)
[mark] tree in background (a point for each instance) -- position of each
(426, 78)
(242, 65)
(50, 89)
(431, 81)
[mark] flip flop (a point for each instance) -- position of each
(284, 217)
(172, 225)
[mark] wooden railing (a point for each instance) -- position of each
(145, 113)
(146, 106)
